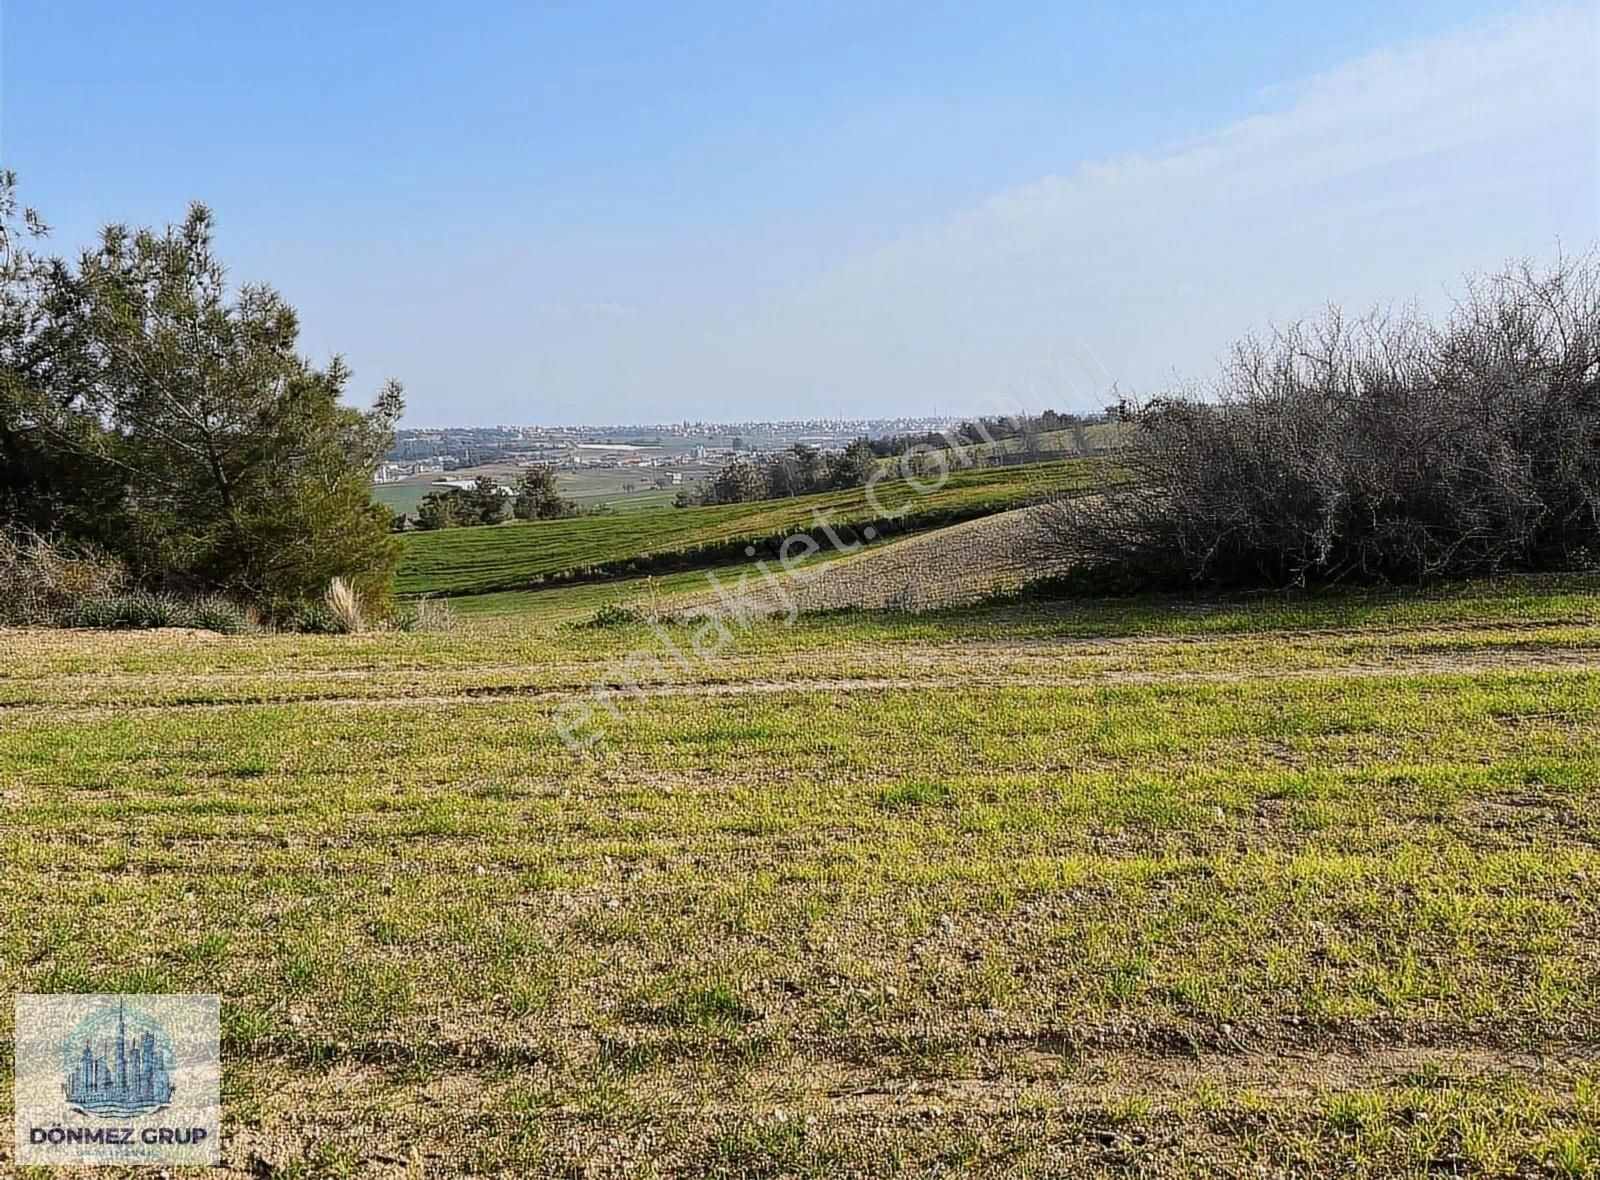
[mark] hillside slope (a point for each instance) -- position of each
(513, 556)
(950, 566)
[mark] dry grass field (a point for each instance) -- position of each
(1021, 889)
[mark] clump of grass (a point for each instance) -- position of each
(623, 614)
(344, 603)
(143, 610)
(713, 1005)
(617, 614)
(314, 618)
(223, 616)
(759, 1148)
(100, 612)
(136, 611)
(917, 793)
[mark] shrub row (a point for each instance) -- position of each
(1389, 448)
(143, 610)
(46, 582)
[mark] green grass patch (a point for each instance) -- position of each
(1052, 888)
(524, 554)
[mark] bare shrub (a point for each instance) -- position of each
(43, 580)
(426, 614)
(1385, 448)
(345, 604)
(906, 600)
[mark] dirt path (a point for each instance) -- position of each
(1089, 1079)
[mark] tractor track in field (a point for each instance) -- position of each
(1088, 1078)
(1079, 1100)
(1484, 661)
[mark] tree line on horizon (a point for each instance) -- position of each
(798, 471)
(535, 496)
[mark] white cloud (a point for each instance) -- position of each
(1379, 181)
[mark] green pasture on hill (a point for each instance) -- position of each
(518, 555)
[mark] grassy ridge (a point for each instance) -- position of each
(505, 557)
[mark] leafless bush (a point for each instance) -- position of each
(1385, 448)
(42, 581)
(426, 614)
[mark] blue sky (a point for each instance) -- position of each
(654, 211)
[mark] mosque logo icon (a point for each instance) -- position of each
(118, 1063)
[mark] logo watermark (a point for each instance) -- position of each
(118, 1079)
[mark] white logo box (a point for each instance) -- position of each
(118, 1079)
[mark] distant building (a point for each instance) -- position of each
(467, 485)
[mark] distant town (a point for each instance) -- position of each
(649, 445)
(627, 465)
(604, 468)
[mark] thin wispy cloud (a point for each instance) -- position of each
(1380, 180)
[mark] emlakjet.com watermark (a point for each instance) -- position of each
(922, 469)
(118, 1079)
